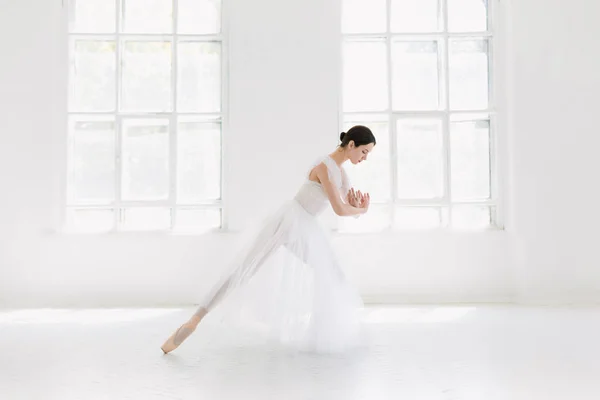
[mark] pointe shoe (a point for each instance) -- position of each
(178, 337)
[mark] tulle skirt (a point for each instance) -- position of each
(287, 286)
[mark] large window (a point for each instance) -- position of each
(145, 115)
(419, 73)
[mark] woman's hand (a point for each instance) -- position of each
(358, 199)
(366, 202)
(352, 198)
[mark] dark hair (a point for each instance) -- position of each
(361, 135)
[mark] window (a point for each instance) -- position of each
(145, 115)
(418, 72)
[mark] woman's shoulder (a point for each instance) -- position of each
(329, 162)
(336, 173)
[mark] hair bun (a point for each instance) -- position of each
(342, 135)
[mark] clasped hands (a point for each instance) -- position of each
(358, 199)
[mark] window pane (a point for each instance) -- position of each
(415, 75)
(372, 176)
(199, 16)
(469, 80)
(92, 16)
(470, 157)
(146, 219)
(420, 159)
(471, 217)
(199, 77)
(365, 76)
(198, 161)
(91, 160)
(375, 220)
(147, 16)
(146, 76)
(364, 16)
(467, 15)
(417, 218)
(93, 64)
(145, 159)
(415, 16)
(198, 220)
(89, 221)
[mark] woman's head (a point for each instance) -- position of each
(358, 142)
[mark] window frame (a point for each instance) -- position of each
(118, 205)
(391, 116)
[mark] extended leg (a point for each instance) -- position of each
(265, 245)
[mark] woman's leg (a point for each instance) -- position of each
(265, 245)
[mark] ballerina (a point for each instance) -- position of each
(319, 308)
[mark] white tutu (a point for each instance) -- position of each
(288, 285)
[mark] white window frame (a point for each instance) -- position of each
(443, 37)
(118, 205)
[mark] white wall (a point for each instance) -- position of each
(284, 83)
(555, 143)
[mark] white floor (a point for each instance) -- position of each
(450, 353)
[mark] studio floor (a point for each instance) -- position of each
(417, 353)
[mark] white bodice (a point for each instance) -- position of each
(312, 196)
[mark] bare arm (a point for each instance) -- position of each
(333, 194)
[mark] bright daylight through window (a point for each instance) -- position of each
(419, 73)
(145, 115)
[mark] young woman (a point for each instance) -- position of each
(290, 273)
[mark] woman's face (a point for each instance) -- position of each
(356, 155)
